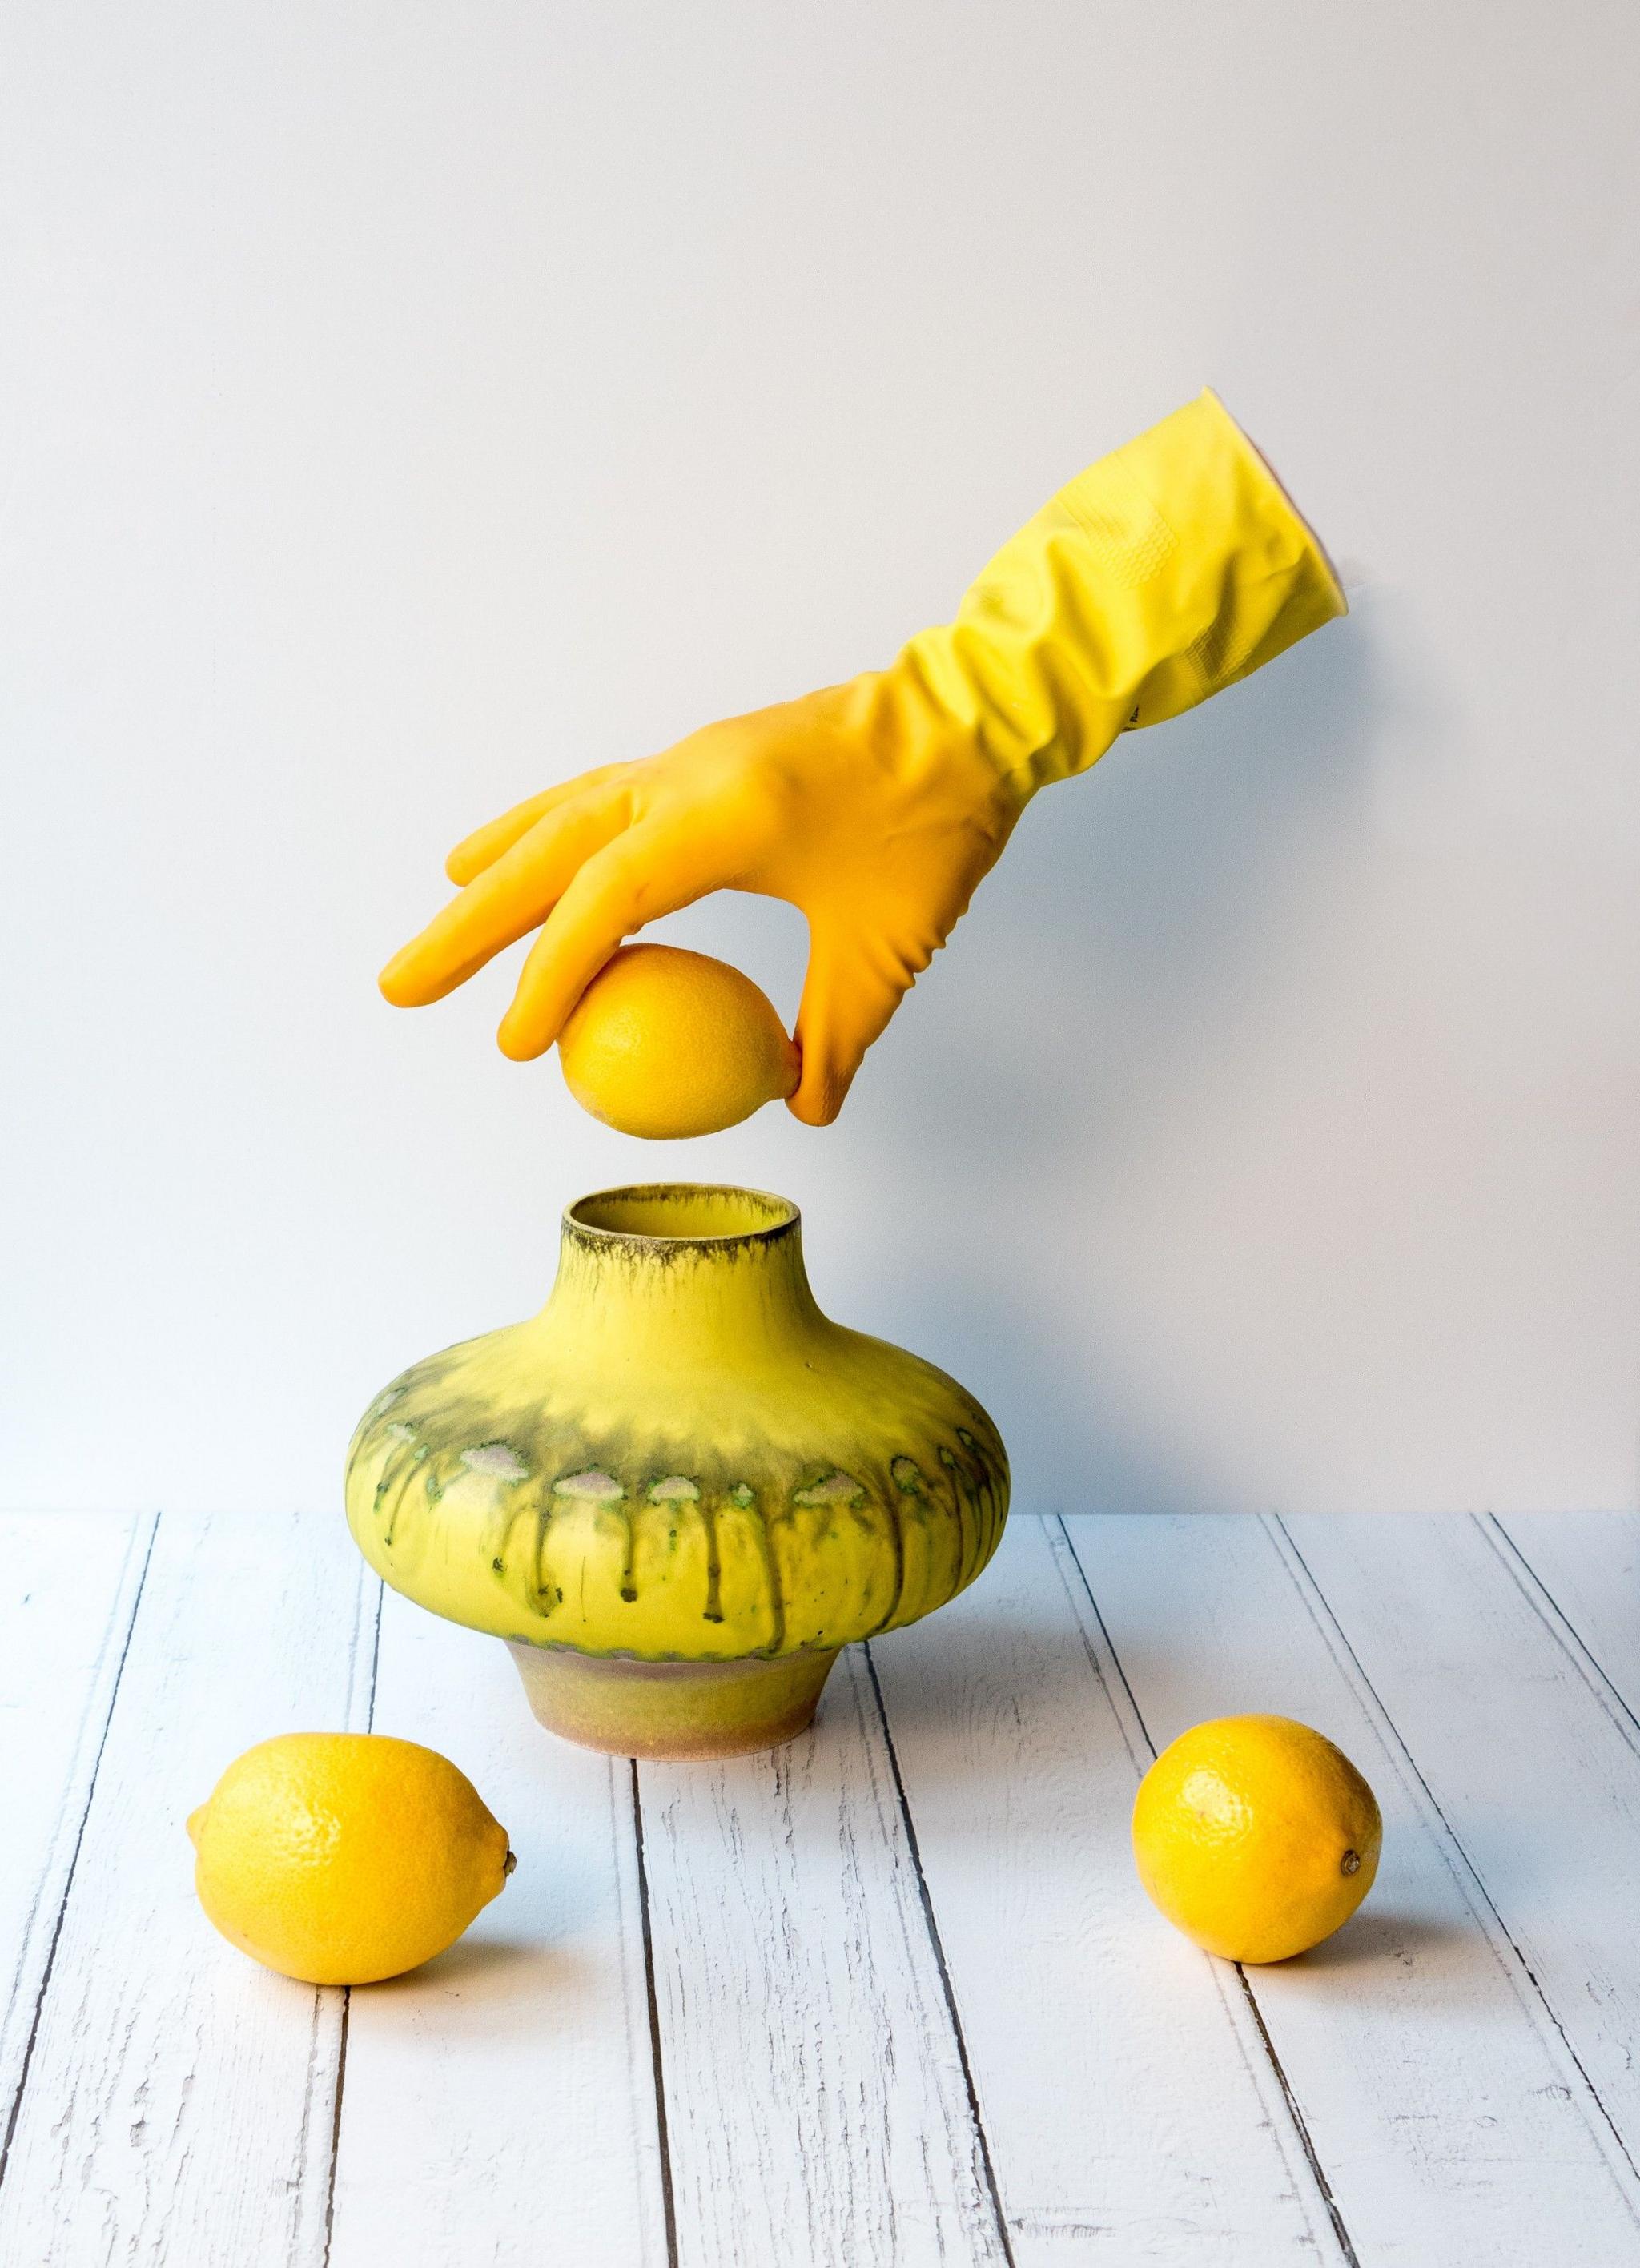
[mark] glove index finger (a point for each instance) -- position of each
(648, 871)
(506, 899)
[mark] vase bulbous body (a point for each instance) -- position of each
(680, 1489)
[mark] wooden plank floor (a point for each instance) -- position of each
(886, 1997)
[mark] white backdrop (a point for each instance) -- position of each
(408, 405)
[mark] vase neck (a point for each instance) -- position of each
(678, 1272)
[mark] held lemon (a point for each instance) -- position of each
(1255, 1836)
(342, 1858)
(665, 1043)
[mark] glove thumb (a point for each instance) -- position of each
(853, 986)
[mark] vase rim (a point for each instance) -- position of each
(707, 1215)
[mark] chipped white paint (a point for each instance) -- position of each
(1586, 1566)
(677, 1488)
(910, 2002)
(1538, 1774)
(815, 2100)
(179, 2101)
(500, 2103)
(1130, 2112)
(1433, 2079)
(70, 1588)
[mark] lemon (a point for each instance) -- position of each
(340, 1857)
(665, 1043)
(1255, 1836)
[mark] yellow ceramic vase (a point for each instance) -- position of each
(678, 1491)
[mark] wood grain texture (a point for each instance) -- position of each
(817, 2107)
(910, 2004)
(499, 2104)
(180, 2099)
(1587, 1566)
(1438, 2093)
(1530, 1754)
(68, 1587)
(1131, 2110)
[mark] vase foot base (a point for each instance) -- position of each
(688, 1711)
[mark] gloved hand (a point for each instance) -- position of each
(1162, 573)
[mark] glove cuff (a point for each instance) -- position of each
(1221, 544)
(1163, 572)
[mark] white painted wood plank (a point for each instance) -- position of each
(1588, 1566)
(1531, 1758)
(68, 1588)
(1452, 2122)
(1131, 2111)
(179, 2101)
(499, 2104)
(816, 2106)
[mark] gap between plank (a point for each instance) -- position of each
(668, 2207)
(1559, 1624)
(938, 1943)
(79, 1836)
(1314, 1598)
(347, 1989)
(1317, 2172)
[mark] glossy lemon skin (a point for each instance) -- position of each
(1255, 1836)
(666, 1044)
(343, 1858)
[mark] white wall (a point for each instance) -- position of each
(408, 405)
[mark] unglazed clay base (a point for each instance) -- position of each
(689, 1711)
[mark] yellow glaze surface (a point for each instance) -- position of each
(679, 1459)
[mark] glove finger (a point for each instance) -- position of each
(852, 989)
(505, 900)
(486, 843)
(648, 871)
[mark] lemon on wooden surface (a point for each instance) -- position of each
(342, 1858)
(665, 1043)
(1255, 1836)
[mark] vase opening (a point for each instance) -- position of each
(681, 1212)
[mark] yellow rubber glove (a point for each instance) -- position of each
(1162, 573)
